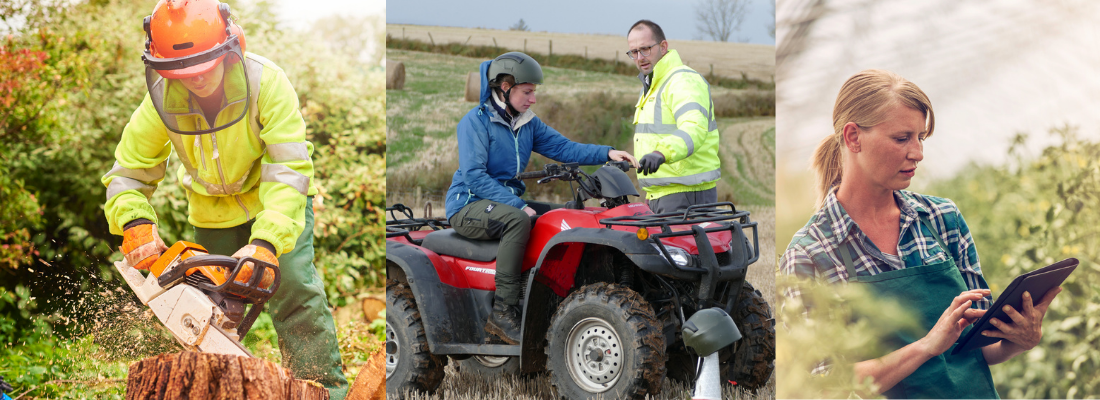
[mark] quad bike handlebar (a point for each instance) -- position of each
(566, 171)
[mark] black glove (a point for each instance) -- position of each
(650, 162)
(4, 387)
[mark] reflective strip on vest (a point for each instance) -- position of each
(688, 180)
(135, 179)
(255, 68)
(283, 152)
(278, 173)
(658, 127)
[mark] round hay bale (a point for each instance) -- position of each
(373, 307)
(473, 87)
(395, 75)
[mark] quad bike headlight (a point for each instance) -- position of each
(679, 256)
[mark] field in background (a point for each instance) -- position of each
(727, 59)
(587, 107)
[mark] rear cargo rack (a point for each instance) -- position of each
(398, 227)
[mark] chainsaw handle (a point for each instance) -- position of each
(250, 290)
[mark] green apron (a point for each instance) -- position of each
(929, 289)
(299, 310)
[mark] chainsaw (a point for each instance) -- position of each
(202, 298)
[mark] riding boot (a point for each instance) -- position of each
(504, 321)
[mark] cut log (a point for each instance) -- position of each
(473, 87)
(395, 75)
(193, 375)
(371, 382)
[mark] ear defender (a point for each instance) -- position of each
(148, 33)
(223, 9)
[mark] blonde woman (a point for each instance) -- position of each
(911, 247)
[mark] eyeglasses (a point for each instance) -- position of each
(644, 51)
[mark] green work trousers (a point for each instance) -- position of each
(299, 308)
(490, 220)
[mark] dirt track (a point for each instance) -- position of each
(728, 59)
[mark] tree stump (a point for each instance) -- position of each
(194, 375)
(371, 382)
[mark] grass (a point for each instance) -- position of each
(466, 386)
(569, 61)
(588, 107)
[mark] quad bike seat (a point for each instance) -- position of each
(448, 242)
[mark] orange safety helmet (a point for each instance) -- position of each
(179, 29)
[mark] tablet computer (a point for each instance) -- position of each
(1036, 282)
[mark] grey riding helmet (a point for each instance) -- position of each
(710, 330)
(521, 66)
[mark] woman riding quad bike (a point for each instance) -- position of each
(495, 141)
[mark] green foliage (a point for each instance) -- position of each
(344, 105)
(1029, 214)
(834, 325)
(570, 61)
(33, 357)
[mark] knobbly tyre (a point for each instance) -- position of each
(607, 290)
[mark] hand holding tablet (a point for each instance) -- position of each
(1018, 298)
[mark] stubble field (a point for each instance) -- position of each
(727, 59)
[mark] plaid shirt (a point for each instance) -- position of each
(813, 252)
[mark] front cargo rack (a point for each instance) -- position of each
(719, 213)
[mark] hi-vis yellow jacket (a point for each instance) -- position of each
(676, 118)
(258, 168)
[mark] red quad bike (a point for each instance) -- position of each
(606, 293)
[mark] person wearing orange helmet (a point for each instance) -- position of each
(233, 120)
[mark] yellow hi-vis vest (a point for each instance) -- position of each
(258, 168)
(676, 118)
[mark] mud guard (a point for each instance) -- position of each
(453, 317)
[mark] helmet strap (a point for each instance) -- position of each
(508, 103)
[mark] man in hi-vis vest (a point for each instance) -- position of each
(233, 120)
(676, 132)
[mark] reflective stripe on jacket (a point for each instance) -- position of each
(258, 168)
(676, 118)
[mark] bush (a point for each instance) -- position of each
(1024, 216)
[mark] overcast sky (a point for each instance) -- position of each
(676, 17)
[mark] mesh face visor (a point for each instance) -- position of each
(178, 106)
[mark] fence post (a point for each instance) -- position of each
(586, 53)
(495, 42)
(551, 56)
(431, 39)
(468, 40)
(524, 45)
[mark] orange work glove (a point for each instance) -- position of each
(142, 246)
(259, 253)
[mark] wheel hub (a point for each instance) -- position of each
(595, 355)
(392, 351)
(491, 361)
